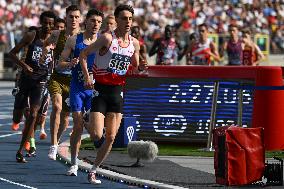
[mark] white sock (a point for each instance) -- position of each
(94, 169)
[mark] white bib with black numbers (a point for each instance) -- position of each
(119, 64)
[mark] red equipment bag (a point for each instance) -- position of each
(239, 156)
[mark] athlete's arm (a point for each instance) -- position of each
(49, 43)
(155, 47)
(25, 41)
(214, 52)
(69, 46)
(137, 65)
(223, 49)
(103, 42)
(260, 55)
(143, 52)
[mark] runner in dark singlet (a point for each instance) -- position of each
(233, 47)
(34, 77)
(135, 32)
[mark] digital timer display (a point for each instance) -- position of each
(169, 109)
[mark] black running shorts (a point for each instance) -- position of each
(107, 98)
(29, 88)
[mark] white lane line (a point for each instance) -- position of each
(7, 135)
(18, 184)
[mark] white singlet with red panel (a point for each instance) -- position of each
(111, 67)
(200, 54)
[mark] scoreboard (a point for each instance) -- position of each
(171, 109)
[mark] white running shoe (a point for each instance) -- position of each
(52, 152)
(92, 178)
(72, 170)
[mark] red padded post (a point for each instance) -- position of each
(268, 107)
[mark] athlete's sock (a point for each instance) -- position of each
(32, 142)
(94, 169)
(74, 160)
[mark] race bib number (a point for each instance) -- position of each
(119, 64)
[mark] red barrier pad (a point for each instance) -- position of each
(239, 157)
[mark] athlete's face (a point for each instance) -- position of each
(124, 20)
(168, 32)
(47, 24)
(110, 24)
(203, 33)
(233, 31)
(93, 24)
(59, 26)
(73, 19)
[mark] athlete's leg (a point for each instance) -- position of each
(64, 122)
(55, 117)
(42, 115)
(76, 102)
(112, 123)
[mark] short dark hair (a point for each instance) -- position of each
(48, 14)
(32, 28)
(192, 36)
(203, 25)
(72, 8)
(120, 8)
(247, 31)
(233, 26)
(96, 12)
(59, 20)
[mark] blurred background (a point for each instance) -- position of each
(264, 17)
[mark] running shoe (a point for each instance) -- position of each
(52, 152)
(92, 178)
(72, 170)
(42, 135)
(31, 152)
(15, 126)
(27, 146)
(15, 91)
(20, 158)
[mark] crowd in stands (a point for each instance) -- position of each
(262, 16)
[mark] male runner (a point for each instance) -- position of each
(252, 55)
(233, 47)
(59, 83)
(109, 24)
(115, 52)
(34, 77)
(203, 49)
(135, 32)
(59, 24)
(80, 98)
(166, 48)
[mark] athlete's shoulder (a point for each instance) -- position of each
(107, 36)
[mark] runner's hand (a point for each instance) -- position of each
(28, 70)
(143, 65)
(88, 84)
(74, 62)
